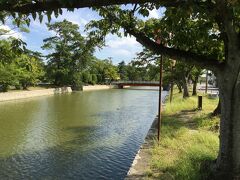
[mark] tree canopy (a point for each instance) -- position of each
(70, 53)
(18, 69)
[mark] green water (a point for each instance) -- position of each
(84, 135)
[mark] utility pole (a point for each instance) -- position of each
(158, 41)
(160, 99)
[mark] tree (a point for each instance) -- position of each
(27, 6)
(9, 70)
(102, 71)
(219, 16)
(147, 66)
(137, 72)
(181, 74)
(122, 70)
(30, 70)
(195, 74)
(132, 73)
(94, 79)
(110, 71)
(70, 54)
(178, 74)
(8, 77)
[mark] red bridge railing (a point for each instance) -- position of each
(135, 82)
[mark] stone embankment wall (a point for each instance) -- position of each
(8, 96)
(97, 87)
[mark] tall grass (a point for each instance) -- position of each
(189, 139)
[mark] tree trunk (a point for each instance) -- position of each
(185, 88)
(179, 87)
(217, 111)
(24, 86)
(194, 93)
(228, 161)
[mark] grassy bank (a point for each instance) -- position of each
(188, 139)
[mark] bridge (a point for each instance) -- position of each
(121, 84)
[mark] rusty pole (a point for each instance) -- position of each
(160, 98)
(172, 82)
(171, 92)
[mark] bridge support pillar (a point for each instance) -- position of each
(120, 86)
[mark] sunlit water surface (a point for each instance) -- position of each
(84, 135)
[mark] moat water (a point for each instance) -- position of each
(83, 135)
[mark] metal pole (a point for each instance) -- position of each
(160, 98)
(199, 102)
(206, 88)
(171, 92)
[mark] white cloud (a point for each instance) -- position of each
(154, 13)
(77, 20)
(38, 27)
(11, 33)
(115, 42)
(79, 17)
(37, 24)
(124, 48)
(122, 52)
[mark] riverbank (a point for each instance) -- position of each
(142, 161)
(9, 96)
(97, 87)
(141, 165)
(189, 139)
(36, 92)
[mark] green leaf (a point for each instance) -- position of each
(56, 13)
(49, 13)
(40, 18)
(60, 11)
(13, 14)
(34, 15)
(144, 12)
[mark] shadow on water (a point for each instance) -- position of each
(74, 159)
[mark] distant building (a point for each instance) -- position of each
(212, 80)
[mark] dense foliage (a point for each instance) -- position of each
(18, 69)
(69, 55)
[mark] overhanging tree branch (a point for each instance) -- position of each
(47, 5)
(201, 60)
(181, 55)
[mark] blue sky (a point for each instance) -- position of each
(118, 49)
